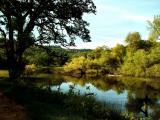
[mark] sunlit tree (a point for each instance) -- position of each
(24, 23)
(154, 26)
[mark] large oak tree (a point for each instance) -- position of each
(24, 23)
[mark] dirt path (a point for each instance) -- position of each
(9, 110)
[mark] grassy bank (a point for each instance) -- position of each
(44, 105)
(4, 73)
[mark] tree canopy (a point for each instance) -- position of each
(24, 23)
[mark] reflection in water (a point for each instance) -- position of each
(138, 105)
(105, 96)
(139, 96)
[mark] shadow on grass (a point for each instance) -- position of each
(41, 104)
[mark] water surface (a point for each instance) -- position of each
(136, 95)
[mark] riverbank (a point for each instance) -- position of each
(92, 73)
(69, 106)
(42, 104)
(9, 110)
(75, 73)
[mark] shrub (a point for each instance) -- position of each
(30, 69)
(153, 71)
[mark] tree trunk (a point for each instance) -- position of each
(13, 59)
(16, 66)
(15, 48)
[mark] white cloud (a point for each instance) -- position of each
(113, 41)
(107, 41)
(88, 45)
(113, 22)
(137, 18)
(121, 13)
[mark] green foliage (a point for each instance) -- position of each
(30, 69)
(3, 63)
(119, 51)
(131, 116)
(155, 27)
(135, 64)
(153, 71)
(135, 42)
(154, 55)
(142, 63)
(143, 56)
(35, 55)
(79, 63)
(153, 36)
(51, 55)
(138, 58)
(58, 22)
(133, 38)
(102, 60)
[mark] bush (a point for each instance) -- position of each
(30, 69)
(153, 71)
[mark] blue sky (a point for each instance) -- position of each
(116, 18)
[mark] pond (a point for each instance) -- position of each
(137, 95)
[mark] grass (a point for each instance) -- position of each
(44, 105)
(4, 73)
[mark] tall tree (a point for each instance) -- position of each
(59, 21)
(133, 39)
(154, 28)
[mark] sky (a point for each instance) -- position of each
(114, 19)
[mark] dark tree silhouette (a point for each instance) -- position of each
(24, 23)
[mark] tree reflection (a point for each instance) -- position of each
(143, 94)
(146, 105)
(143, 97)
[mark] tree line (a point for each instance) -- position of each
(140, 58)
(26, 24)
